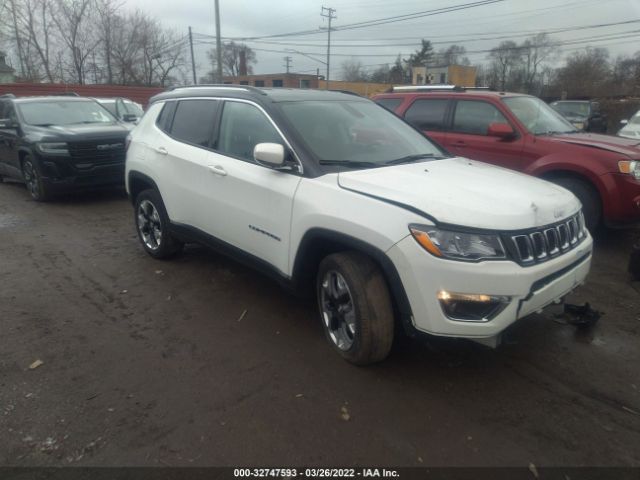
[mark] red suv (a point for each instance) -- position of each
(523, 133)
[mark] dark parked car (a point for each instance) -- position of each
(59, 144)
(123, 109)
(583, 114)
(523, 133)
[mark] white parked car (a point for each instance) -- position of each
(631, 127)
(332, 194)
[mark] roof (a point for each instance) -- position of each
(50, 98)
(254, 93)
(447, 93)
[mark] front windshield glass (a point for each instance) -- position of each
(635, 120)
(572, 109)
(61, 112)
(538, 117)
(356, 131)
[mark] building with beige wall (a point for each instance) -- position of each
(285, 80)
(462, 75)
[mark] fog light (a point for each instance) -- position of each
(471, 307)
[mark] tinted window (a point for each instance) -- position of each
(166, 114)
(243, 126)
(111, 106)
(427, 114)
(277, 83)
(194, 120)
(2, 106)
(259, 83)
(475, 117)
(390, 103)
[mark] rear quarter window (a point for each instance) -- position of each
(194, 121)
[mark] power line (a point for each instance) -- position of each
(328, 13)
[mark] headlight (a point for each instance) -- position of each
(631, 167)
(464, 246)
(58, 148)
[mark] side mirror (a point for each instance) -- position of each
(501, 130)
(269, 154)
(7, 123)
(129, 117)
(624, 121)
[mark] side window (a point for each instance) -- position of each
(474, 117)
(2, 108)
(194, 121)
(10, 113)
(243, 126)
(427, 114)
(389, 103)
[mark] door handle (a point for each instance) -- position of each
(162, 151)
(218, 170)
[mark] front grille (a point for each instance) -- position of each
(539, 245)
(86, 155)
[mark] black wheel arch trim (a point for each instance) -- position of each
(135, 175)
(315, 236)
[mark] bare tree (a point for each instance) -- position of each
(231, 53)
(586, 73)
(505, 59)
(107, 11)
(534, 52)
(353, 71)
(74, 22)
(453, 55)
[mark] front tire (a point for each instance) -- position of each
(355, 307)
(36, 188)
(152, 225)
(588, 196)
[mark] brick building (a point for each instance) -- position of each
(462, 75)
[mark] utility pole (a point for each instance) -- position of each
(288, 60)
(218, 42)
(329, 13)
(193, 60)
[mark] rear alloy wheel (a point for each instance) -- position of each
(33, 181)
(152, 224)
(355, 307)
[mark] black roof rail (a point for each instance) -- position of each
(68, 94)
(435, 88)
(348, 92)
(8, 95)
(220, 85)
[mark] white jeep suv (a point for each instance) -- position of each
(330, 192)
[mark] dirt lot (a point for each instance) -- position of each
(147, 363)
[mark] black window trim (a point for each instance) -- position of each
(214, 126)
(216, 129)
(454, 108)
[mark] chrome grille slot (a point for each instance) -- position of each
(109, 151)
(553, 244)
(537, 246)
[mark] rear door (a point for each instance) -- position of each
(9, 137)
(429, 115)
(468, 135)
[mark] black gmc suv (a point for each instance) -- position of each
(60, 144)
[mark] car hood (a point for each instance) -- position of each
(630, 148)
(81, 132)
(466, 193)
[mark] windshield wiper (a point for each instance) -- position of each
(413, 158)
(42, 124)
(349, 163)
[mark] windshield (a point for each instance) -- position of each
(538, 117)
(61, 112)
(635, 120)
(356, 132)
(572, 109)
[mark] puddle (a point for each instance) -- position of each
(8, 221)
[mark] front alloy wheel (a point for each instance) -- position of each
(355, 307)
(338, 312)
(32, 179)
(152, 224)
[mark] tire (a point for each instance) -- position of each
(152, 226)
(588, 196)
(355, 307)
(33, 180)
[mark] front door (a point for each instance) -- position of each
(468, 135)
(252, 204)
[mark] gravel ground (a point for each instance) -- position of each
(149, 362)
